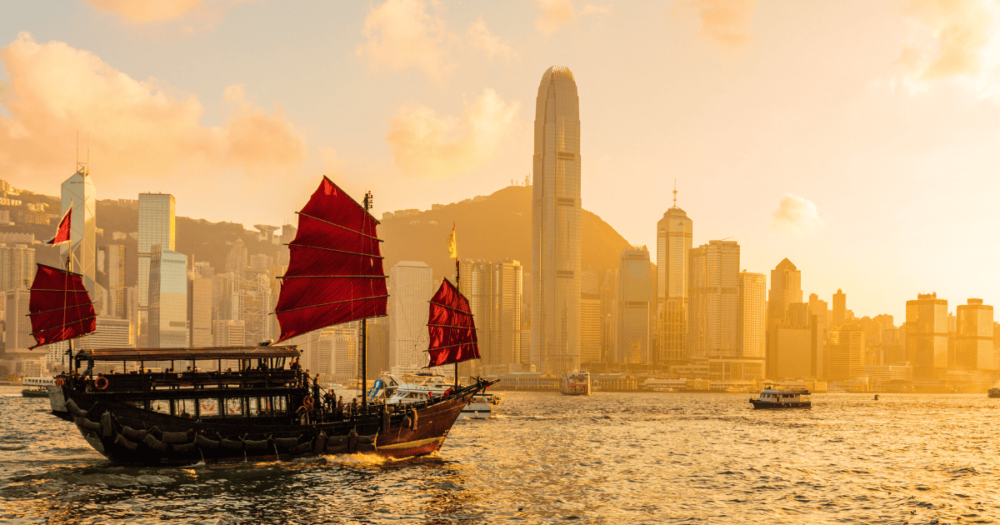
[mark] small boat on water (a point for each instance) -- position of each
(772, 398)
(37, 386)
(480, 406)
(417, 388)
(993, 392)
(575, 383)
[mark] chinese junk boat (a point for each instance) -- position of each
(265, 408)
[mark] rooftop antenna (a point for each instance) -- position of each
(675, 193)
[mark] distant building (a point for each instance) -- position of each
(229, 333)
(78, 192)
(507, 303)
(251, 303)
(476, 284)
(168, 320)
(673, 247)
(110, 332)
(18, 333)
(839, 308)
(111, 276)
(412, 288)
(200, 312)
(974, 341)
(236, 259)
(927, 335)
(820, 317)
(17, 266)
(846, 353)
(748, 364)
(590, 329)
(786, 288)
(156, 227)
(555, 225)
(713, 306)
(635, 307)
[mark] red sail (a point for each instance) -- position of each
(335, 271)
(451, 327)
(60, 306)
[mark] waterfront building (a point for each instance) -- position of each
(555, 225)
(927, 335)
(839, 308)
(846, 353)
(156, 227)
(635, 307)
(200, 311)
(18, 324)
(17, 266)
(713, 313)
(974, 341)
(786, 288)
(673, 247)
(251, 303)
(507, 303)
(168, 320)
(411, 288)
(748, 364)
(111, 276)
(590, 329)
(110, 332)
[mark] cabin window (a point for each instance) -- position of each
(185, 407)
(160, 405)
(209, 407)
(234, 407)
(280, 404)
(253, 406)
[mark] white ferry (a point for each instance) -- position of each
(773, 398)
(481, 406)
(37, 386)
(575, 384)
(415, 388)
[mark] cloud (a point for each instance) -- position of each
(193, 14)
(135, 128)
(724, 23)
(959, 30)
(432, 147)
(557, 13)
(400, 34)
(796, 214)
(481, 38)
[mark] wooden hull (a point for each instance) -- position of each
(780, 406)
(154, 438)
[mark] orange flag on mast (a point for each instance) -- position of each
(62, 235)
(452, 244)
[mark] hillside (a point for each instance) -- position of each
(495, 227)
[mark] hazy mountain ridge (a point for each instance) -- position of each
(492, 228)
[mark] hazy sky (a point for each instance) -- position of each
(857, 138)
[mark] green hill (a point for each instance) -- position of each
(493, 227)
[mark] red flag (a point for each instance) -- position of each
(63, 234)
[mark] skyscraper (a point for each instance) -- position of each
(839, 308)
(168, 320)
(752, 326)
(17, 266)
(713, 330)
(156, 226)
(673, 247)
(200, 311)
(974, 344)
(555, 225)
(78, 191)
(507, 299)
(411, 289)
(927, 335)
(635, 307)
(786, 289)
(111, 276)
(476, 284)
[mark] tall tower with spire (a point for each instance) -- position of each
(78, 191)
(673, 245)
(555, 225)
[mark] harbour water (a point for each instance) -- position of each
(608, 458)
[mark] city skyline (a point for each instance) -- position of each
(799, 161)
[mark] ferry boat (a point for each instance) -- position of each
(575, 384)
(418, 388)
(267, 409)
(772, 398)
(36, 386)
(993, 392)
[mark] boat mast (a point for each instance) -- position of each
(458, 284)
(69, 268)
(364, 332)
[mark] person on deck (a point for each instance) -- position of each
(330, 401)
